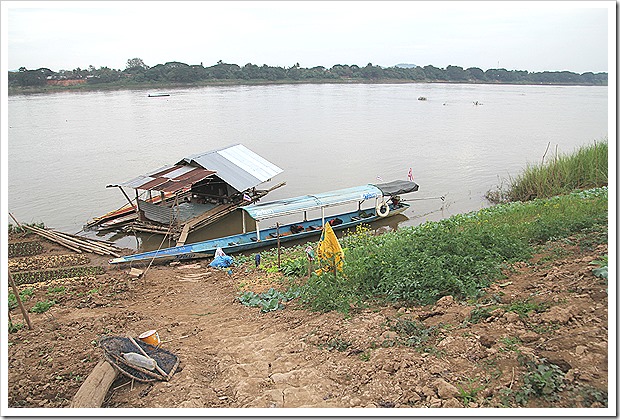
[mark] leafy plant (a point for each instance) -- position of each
(510, 343)
(13, 328)
(543, 380)
(525, 307)
(47, 275)
(468, 392)
(24, 295)
(602, 270)
(297, 267)
(269, 300)
(338, 344)
(24, 249)
(480, 314)
(42, 306)
(411, 332)
(56, 290)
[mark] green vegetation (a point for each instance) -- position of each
(42, 306)
(47, 275)
(337, 343)
(458, 256)
(586, 168)
(542, 380)
(138, 74)
(269, 301)
(601, 270)
(21, 229)
(25, 249)
(24, 295)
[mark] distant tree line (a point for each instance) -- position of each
(138, 73)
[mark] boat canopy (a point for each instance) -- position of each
(397, 187)
(311, 202)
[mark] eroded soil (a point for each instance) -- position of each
(538, 338)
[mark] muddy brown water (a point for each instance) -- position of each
(64, 148)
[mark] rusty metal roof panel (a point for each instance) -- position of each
(169, 178)
(236, 165)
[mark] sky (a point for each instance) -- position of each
(531, 35)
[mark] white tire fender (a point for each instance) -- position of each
(382, 205)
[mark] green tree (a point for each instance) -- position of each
(134, 63)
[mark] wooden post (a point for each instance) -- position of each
(278, 236)
(19, 301)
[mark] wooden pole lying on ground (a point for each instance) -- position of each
(73, 242)
(94, 389)
(19, 301)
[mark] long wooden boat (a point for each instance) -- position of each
(385, 196)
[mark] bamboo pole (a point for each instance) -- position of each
(53, 238)
(164, 374)
(278, 235)
(19, 301)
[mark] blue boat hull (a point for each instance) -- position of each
(268, 237)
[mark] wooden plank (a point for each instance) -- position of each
(210, 216)
(93, 391)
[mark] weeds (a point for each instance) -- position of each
(24, 295)
(42, 306)
(337, 344)
(586, 168)
(542, 380)
(468, 392)
(525, 307)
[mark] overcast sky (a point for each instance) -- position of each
(531, 35)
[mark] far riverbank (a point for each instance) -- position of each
(86, 87)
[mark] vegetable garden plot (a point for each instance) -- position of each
(24, 249)
(30, 277)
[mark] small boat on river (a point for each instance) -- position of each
(385, 196)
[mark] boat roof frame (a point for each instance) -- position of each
(271, 209)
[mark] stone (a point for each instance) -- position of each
(446, 390)
(487, 341)
(528, 336)
(452, 403)
(580, 350)
(511, 317)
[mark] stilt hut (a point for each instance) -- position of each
(192, 193)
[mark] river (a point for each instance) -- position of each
(64, 148)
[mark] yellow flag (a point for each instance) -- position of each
(329, 254)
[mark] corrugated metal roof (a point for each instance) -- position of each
(236, 165)
(169, 178)
(310, 202)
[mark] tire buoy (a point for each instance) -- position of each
(380, 206)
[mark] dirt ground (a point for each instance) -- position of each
(494, 352)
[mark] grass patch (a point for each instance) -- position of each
(583, 169)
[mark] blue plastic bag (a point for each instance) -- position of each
(221, 262)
